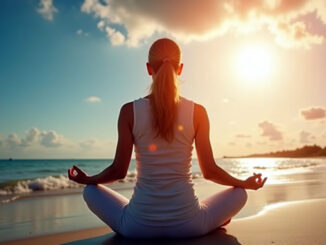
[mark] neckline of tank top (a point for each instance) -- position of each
(144, 98)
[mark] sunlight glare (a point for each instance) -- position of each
(254, 63)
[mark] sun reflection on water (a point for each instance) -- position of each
(268, 167)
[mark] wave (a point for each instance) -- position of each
(55, 183)
(291, 165)
(38, 184)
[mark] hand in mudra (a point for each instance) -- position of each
(78, 175)
(255, 182)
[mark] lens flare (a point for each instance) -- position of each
(152, 148)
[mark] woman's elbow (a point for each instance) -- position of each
(117, 172)
(121, 175)
(207, 175)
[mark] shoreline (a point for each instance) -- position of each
(284, 223)
(52, 214)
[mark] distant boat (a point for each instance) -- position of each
(10, 159)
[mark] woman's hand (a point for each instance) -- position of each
(78, 175)
(254, 182)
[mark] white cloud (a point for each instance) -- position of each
(31, 137)
(115, 36)
(270, 130)
(36, 143)
(80, 32)
(47, 9)
(34, 137)
(100, 25)
(51, 139)
(13, 140)
(91, 144)
(186, 20)
(93, 99)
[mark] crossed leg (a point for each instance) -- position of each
(221, 207)
(217, 209)
(106, 204)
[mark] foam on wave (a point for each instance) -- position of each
(55, 183)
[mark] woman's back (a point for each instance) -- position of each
(163, 129)
(164, 193)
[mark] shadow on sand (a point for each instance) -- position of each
(218, 236)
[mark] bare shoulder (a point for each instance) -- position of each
(127, 113)
(199, 110)
(127, 108)
(200, 118)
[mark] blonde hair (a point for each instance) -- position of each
(164, 58)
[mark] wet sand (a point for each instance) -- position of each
(301, 222)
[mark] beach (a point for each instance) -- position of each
(300, 222)
(288, 210)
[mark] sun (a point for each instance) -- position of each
(254, 63)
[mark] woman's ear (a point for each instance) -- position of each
(149, 69)
(180, 69)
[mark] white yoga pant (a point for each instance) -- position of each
(109, 206)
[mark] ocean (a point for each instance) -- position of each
(37, 198)
(27, 176)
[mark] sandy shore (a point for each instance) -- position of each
(301, 222)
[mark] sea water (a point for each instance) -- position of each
(26, 176)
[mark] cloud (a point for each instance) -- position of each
(116, 37)
(93, 99)
(34, 137)
(13, 141)
(90, 144)
(313, 113)
(270, 130)
(36, 143)
(131, 22)
(47, 9)
(242, 136)
(80, 32)
(305, 137)
(295, 35)
(31, 137)
(51, 139)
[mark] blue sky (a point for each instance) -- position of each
(53, 60)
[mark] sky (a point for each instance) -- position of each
(67, 67)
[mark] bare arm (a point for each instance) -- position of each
(206, 159)
(118, 169)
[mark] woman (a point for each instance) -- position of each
(163, 127)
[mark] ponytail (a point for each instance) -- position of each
(164, 57)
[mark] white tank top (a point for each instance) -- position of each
(163, 194)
